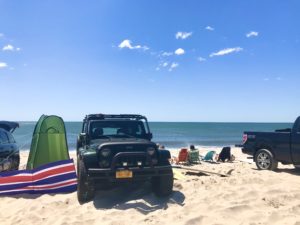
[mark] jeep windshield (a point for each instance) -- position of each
(116, 129)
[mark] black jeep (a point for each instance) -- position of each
(117, 148)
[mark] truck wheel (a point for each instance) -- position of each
(163, 186)
(265, 160)
(85, 193)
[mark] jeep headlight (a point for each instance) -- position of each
(151, 151)
(105, 152)
(103, 163)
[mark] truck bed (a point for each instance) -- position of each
(278, 142)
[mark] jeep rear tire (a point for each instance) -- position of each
(265, 160)
(163, 186)
(85, 192)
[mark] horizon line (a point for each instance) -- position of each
(77, 121)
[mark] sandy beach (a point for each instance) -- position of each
(117, 82)
(247, 196)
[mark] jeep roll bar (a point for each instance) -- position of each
(117, 116)
(114, 116)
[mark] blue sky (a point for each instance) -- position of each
(169, 60)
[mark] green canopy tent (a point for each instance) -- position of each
(49, 142)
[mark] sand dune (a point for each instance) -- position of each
(248, 196)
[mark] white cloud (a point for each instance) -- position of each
(209, 28)
(179, 51)
(18, 49)
(252, 34)
(167, 53)
(201, 59)
(127, 44)
(165, 64)
(226, 51)
(3, 65)
(183, 35)
(271, 79)
(162, 65)
(8, 48)
(173, 66)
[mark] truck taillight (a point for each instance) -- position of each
(245, 138)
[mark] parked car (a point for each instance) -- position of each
(9, 151)
(114, 149)
(269, 148)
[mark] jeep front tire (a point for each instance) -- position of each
(162, 186)
(85, 192)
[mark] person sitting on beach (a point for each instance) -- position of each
(161, 147)
(193, 155)
(192, 148)
(225, 155)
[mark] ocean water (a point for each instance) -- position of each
(171, 134)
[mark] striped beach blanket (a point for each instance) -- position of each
(55, 177)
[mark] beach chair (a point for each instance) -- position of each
(209, 156)
(182, 156)
(193, 156)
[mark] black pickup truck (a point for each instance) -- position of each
(269, 148)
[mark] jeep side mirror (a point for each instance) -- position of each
(149, 136)
(83, 137)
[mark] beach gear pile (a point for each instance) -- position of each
(49, 167)
(192, 156)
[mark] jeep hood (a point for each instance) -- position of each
(120, 141)
(9, 126)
